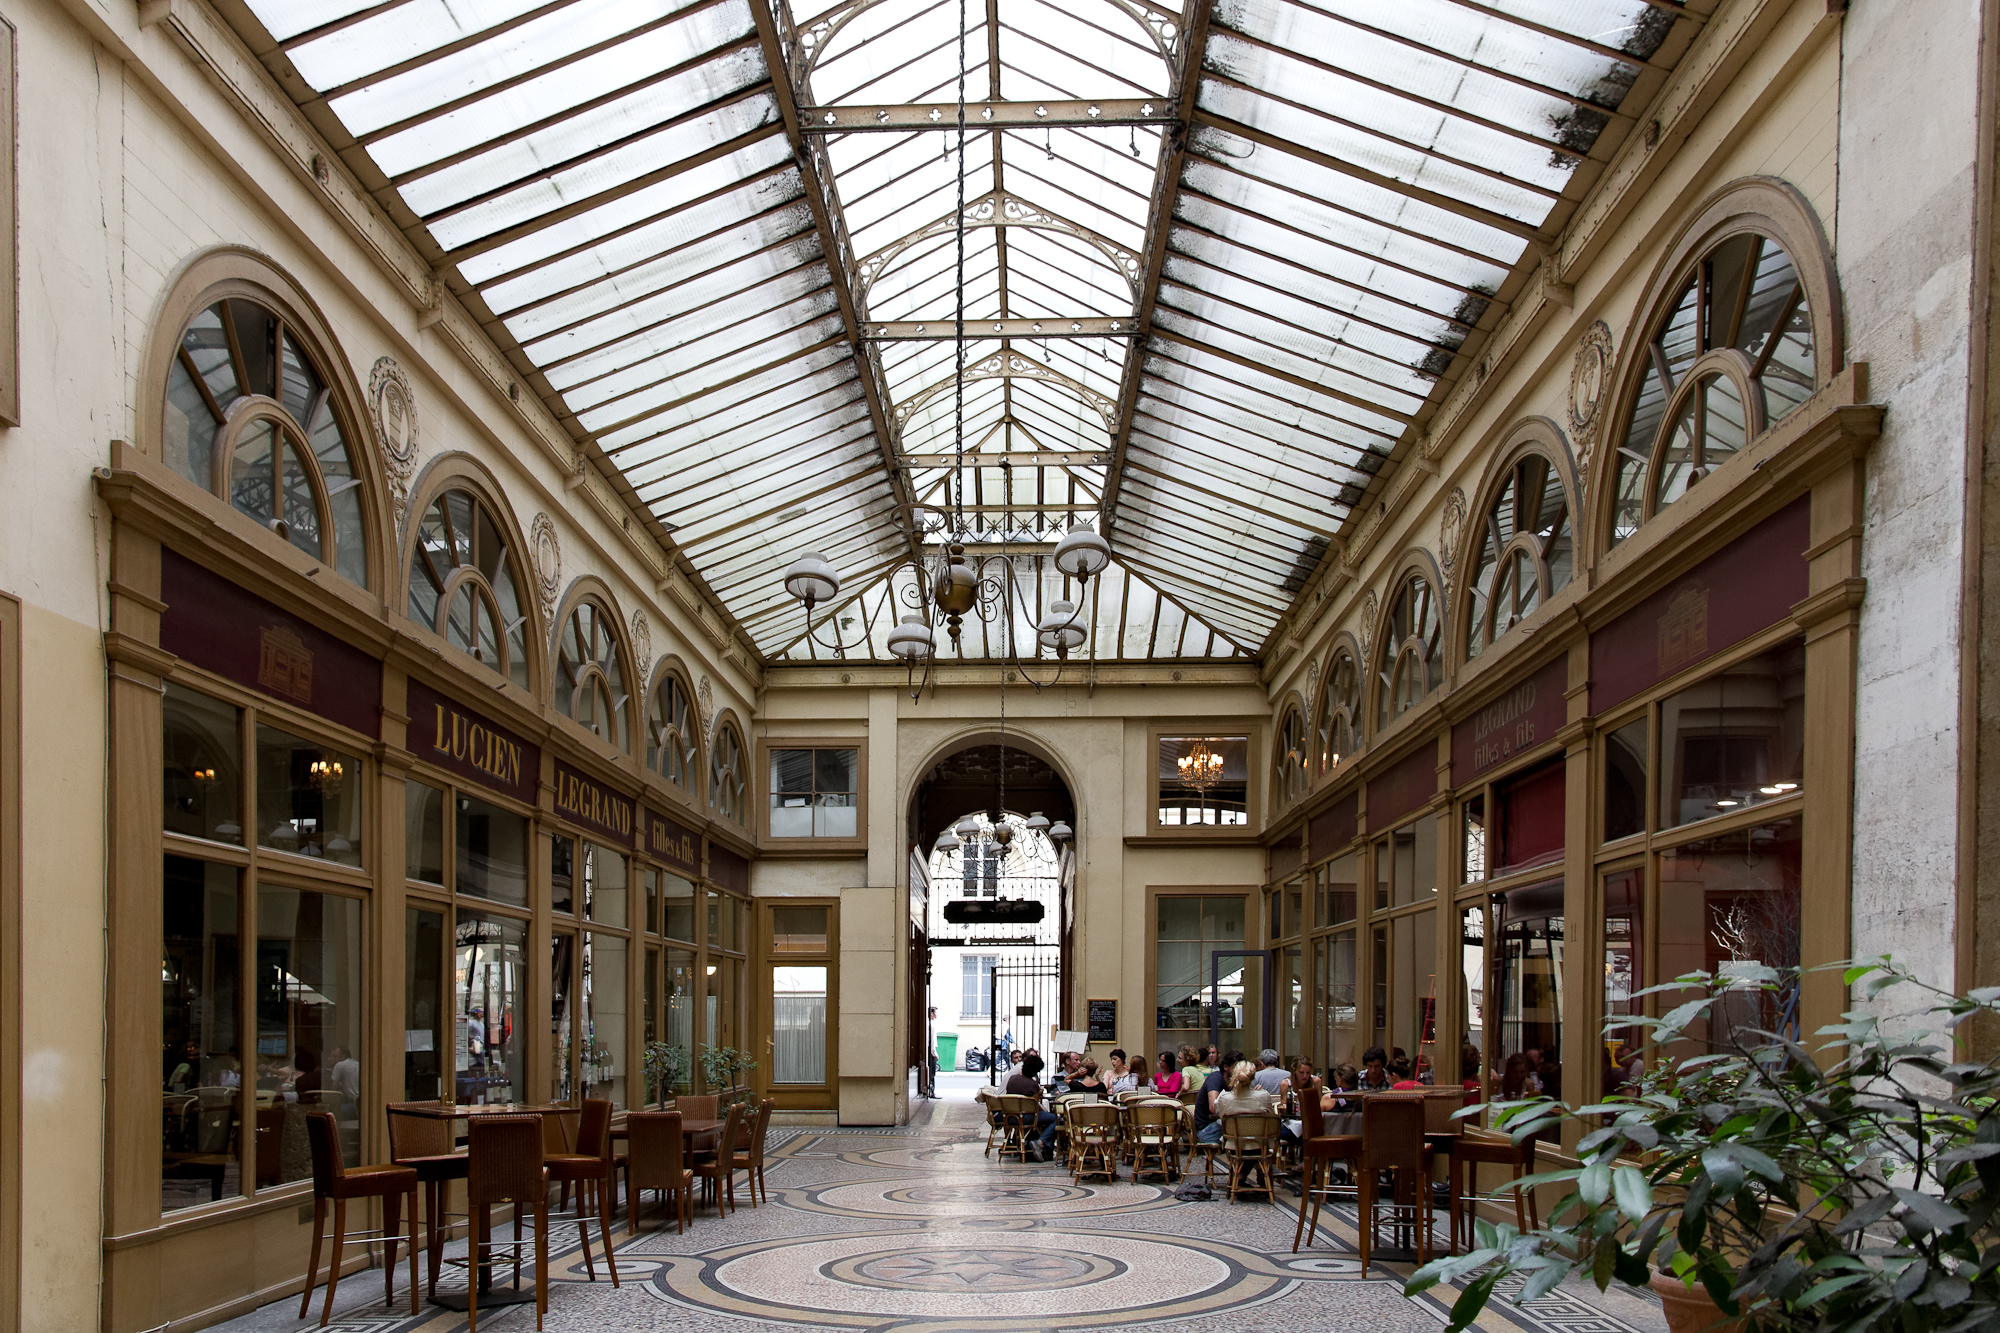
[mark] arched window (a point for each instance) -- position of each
(465, 583)
(1525, 551)
(1339, 712)
(725, 775)
(590, 673)
(1734, 355)
(249, 415)
(673, 743)
(1292, 770)
(1410, 660)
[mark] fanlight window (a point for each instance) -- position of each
(249, 416)
(1411, 658)
(1292, 771)
(1339, 712)
(725, 776)
(1525, 553)
(672, 743)
(465, 583)
(590, 677)
(1734, 356)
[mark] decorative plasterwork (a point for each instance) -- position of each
(545, 552)
(704, 704)
(1451, 526)
(642, 644)
(1369, 607)
(394, 408)
(1589, 385)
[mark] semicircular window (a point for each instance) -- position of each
(249, 416)
(1732, 357)
(1339, 712)
(465, 583)
(725, 775)
(590, 673)
(1410, 662)
(1525, 551)
(672, 742)
(1292, 771)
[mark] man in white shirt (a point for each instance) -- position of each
(345, 1076)
(1269, 1077)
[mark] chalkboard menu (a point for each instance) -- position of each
(1104, 1020)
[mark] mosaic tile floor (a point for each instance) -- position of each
(916, 1231)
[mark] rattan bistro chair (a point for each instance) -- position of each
(1155, 1129)
(1013, 1119)
(1392, 1141)
(1320, 1151)
(590, 1168)
(506, 1152)
(336, 1183)
(654, 1161)
(1250, 1139)
(1095, 1137)
(698, 1108)
(426, 1145)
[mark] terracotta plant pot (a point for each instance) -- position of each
(1691, 1309)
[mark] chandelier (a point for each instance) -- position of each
(1201, 767)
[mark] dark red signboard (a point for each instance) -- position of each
(728, 869)
(668, 841)
(589, 804)
(215, 625)
(1333, 828)
(1286, 855)
(446, 733)
(1402, 787)
(1518, 720)
(1749, 585)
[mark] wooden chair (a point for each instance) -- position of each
(206, 1140)
(426, 1145)
(1392, 1141)
(749, 1156)
(1320, 1150)
(654, 1161)
(698, 1108)
(1156, 1139)
(590, 1168)
(1473, 1149)
(1013, 1119)
(1250, 1139)
(1094, 1137)
(335, 1182)
(718, 1168)
(506, 1153)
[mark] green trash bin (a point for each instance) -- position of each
(947, 1050)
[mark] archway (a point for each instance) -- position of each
(992, 908)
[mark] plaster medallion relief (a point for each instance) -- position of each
(642, 644)
(704, 704)
(1368, 608)
(1451, 526)
(1312, 686)
(1589, 383)
(545, 551)
(394, 408)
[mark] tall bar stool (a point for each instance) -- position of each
(591, 1169)
(1392, 1140)
(1473, 1149)
(1320, 1151)
(426, 1144)
(506, 1153)
(654, 1161)
(335, 1182)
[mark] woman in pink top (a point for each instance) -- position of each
(1168, 1079)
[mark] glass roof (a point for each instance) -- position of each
(1207, 310)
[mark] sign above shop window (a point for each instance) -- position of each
(1749, 585)
(1519, 720)
(667, 841)
(728, 869)
(1333, 828)
(589, 804)
(446, 733)
(215, 625)
(1403, 786)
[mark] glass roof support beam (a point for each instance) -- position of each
(910, 330)
(919, 116)
(838, 249)
(1093, 458)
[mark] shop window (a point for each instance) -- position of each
(308, 798)
(725, 922)
(1189, 933)
(604, 885)
(1733, 355)
(590, 673)
(1342, 888)
(1527, 1000)
(1413, 1018)
(814, 793)
(676, 907)
(1339, 713)
(466, 584)
(1340, 963)
(1290, 992)
(604, 1016)
(1734, 899)
(1204, 780)
(202, 767)
(1524, 551)
(424, 1038)
(249, 416)
(1472, 840)
(1410, 660)
(725, 987)
(491, 858)
(201, 1139)
(680, 997)
(976, 985)
(490, 971)
(310, 1016)
(562, 1041)
(562, 874)
(1292, 763)
(1472, 982)
(673, 737)
(1736, 739)
(798, 1025)
(423, 832)
(725, 775)
(1624, 965)
(1625, 780)
(1406, 865)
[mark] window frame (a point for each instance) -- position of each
(761, 784)
(1388, 659)
(1535, 437)
(670, 672)
(1326, 761)
(591, 676)
(1253, 825)
(1291, 755)
(727, 730)
(461, 473)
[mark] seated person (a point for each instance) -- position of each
(1086, 1081)
(1243, 1096)
(1195, 1068)
(1135, 1078)
(1374, 1070)
(1026, 1081)
(1212, 1089)
(1271, 1076)
(1401, 1077)
(1167, 1081)
(1345, 1080)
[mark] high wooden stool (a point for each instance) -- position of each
(335, 1182)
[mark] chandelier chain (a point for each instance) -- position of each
(958, 323)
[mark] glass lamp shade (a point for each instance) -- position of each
(1060, 629)
(812, 578)
(1003, 834)
(1038, 822)
(1082, 553)
(968, 829)
(911, 640)
(947, 842)
(1059, 831)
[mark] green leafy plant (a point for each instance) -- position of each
(667, 1067)
(1859, 1194)
(721, 1064)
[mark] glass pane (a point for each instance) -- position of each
(798, 1025)
(310, 1013)
(252, 475)
(1204, 780)
(1342, 1036)
(1342, 892)
(835, 770)
(1624, 926)
(652, 882)
(562, 966)
(680, 993)
(798, 929)
(1625, 780)
(604, 1016)
(489, 973)
(562, 873)
(423, 1004)
(188, 428)
(1724, 424)
(604, 882)
(1472, 993)
(308, 798)
(301, 512)
(677, 896)
(1292, 1031)
(1472, 841)
(492, 852)
(649, 1009)
(724, 986)
(1727, 900)
(201, 1097)
(1734, 740)
(423, 832)
(1413, 1002)
(202, 768)
(1528, 986)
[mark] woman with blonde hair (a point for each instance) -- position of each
(1242, 1095)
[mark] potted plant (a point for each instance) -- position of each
(667, 1068)
(720, 1067)
(1859, 1194)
